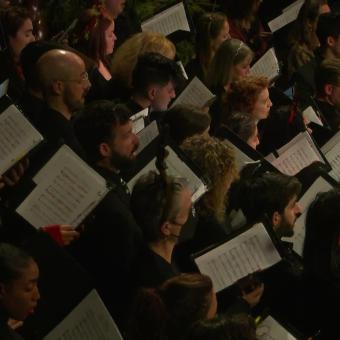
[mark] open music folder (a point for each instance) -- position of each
(67, 191)
(4, 88)
(17, 137)
(138, 122)
(196, 94)
(176, 166)
(147, 135)
(270, 328)
(331, 151)
(252, 250)
(267, 65)
(90, 320)
(321, 184)
(168, 21)
(300, 152)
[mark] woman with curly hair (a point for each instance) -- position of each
(250, 95)
(217, 162)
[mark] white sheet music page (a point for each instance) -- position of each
(319, 185)
(310, 116)
(269, 329)
(297, 154)
(176, 167)
(138, 120)
(147, 135)
(196, 94)
(67, 191)
(171, 20)
(17, 137)
(247, 253)
(90, 320)
(285, 18)
(267, 65)
(4, 87)
(297, 4)
(331, 151)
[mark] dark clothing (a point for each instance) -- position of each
(32, 106)
(109, 244)
(151, 270)
(6, 333)
(195, 69)
(330, 113)
(8, 70)
(133, 106)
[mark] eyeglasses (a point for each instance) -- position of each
(83, 78)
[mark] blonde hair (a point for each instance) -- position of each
(217, 162)
(125, 58)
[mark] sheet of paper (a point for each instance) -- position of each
(17, 137)
(171, 20)
(320, 185)
(284, 19)
(270, 329)
(147, 135)
(267, 65)
(196, 94)
(297, 154)
(247, 253)
(332, 153)
(67, 191)
(4, 87)
(176, 167)
(90, 320)
(138, 120)
(241, 158)
(297, 4)
(310, 115)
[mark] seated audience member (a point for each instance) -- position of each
(321, 263)
(328, 32)
(18, 32)
(224, 327)
(161, 205)
(304, 40)
(230, 63)
(212, 30)
(154, 81)
(272, 197)
(94, 37)
(245, 24)
(244, 126)
(19, 293)
(112, 237)
(126, 56)
(327, 79)
(169, 311)
(216, 161)
(250, 95)
(183, 121)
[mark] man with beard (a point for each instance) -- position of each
(272, 197)
(112, 238)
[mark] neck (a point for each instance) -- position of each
(141, 100)
(57, 105)
(324, 99)
(106, 164)
(163, 248)
(328, 53)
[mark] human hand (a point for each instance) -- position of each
(14, 174)
(14, 324)
(68, 234)
(253, 297)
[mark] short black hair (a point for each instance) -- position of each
(184, 121)
(270, 192)
(13, 261)
(154, 68)
(95, 124)
(328, 72)
(328, 26)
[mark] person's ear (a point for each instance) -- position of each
(328, 88)
(57, 87)
(166, 229)
(105, 150)
(276, 219)
(330, 41)
(152, 91)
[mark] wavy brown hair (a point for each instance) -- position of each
(217, 162)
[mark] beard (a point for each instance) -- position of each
(286, 229)
(122, 162)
